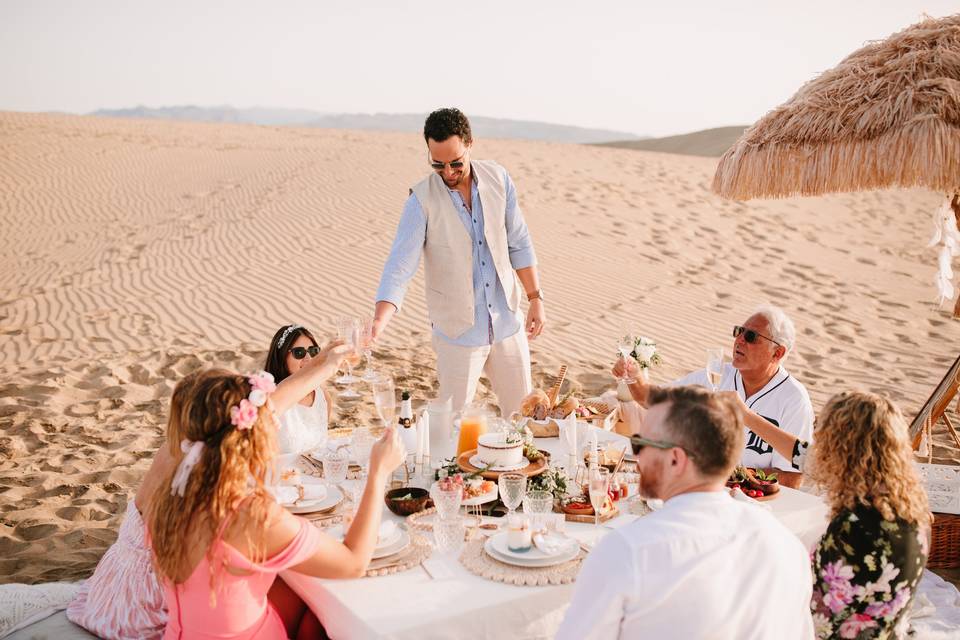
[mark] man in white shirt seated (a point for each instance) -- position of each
(758, 377)
(704, 565)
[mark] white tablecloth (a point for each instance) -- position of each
(459, 604)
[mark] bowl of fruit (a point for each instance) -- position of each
(755, 483)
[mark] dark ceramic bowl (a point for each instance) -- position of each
(416, 502)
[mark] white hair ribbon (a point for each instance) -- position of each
(192, 452)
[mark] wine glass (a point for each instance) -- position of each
(385, 400)
(366, 347)
(625, 345)
(599, 485)
(348, 331)
(513, 487)
(361, 444)
(714, 367)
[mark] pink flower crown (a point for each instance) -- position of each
(244, 415)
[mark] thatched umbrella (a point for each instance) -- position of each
(887, 116)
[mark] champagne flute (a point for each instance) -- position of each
(714, 367)
(625, 345)
(599, 485)
(348, 331)
(366, 342)
(385, 400)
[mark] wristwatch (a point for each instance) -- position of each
(535, 295)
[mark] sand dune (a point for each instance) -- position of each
(708, 142)
(135, 251)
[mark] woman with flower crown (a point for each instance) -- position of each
(304, 425)
(219, 538)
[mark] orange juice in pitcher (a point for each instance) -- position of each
(473, 424)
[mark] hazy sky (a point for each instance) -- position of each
(649, 67)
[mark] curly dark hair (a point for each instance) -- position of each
(443, 123)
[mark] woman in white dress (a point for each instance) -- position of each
(303, 427)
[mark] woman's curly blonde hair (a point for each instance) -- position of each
(232, 468)
(861, 454)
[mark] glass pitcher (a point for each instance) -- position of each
(473, 424)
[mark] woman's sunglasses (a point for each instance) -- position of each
(299, 353)
(750, 335)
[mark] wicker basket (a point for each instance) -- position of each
(944, 542)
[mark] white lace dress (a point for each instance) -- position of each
(303, 428)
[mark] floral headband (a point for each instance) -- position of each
(244, 415)
(286, 333)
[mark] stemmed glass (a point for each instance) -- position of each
(625, 345)
(385, 400)
(513, 488)
(348, 331)
(599, 485)
(714, 367)
(361, 444)
(366, 347)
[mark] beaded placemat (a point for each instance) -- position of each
(478, 562)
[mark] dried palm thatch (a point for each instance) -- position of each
(887, 116)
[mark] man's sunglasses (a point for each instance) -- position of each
(751, 336)
(639, 442)
(299, 353)
(455, 165)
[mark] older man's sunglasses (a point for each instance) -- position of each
(750, 335)
(639, 442)
(299, 353)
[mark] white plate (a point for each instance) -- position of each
(403, 541)
(334, 497)
(384, 547)
(496, 547)
(480, 464)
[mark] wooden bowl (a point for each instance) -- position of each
(416, 502)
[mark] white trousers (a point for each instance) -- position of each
(506, 364)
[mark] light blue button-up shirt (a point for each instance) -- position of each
(493, 320)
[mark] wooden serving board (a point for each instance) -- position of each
(532, 469)
(608, 515)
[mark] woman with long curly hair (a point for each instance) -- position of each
(867, 565)
(218, 536)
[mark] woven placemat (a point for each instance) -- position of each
(418, 551)
(477, 562)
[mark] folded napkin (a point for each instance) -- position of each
(388, 529)
(290, 494)
(551, 543)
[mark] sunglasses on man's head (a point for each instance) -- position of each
(299, 353)
(750, 335)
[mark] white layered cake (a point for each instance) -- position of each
(494, 449)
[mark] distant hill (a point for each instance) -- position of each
(709, 142)
(412, 122)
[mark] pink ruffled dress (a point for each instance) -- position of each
(242, 611)
(122, 600)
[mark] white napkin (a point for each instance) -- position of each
(551, 543)
(288, 495)
(388, 529)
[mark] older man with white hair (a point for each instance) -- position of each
(757, 375)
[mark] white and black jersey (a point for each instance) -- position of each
(783, 401)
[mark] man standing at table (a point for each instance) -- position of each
(478, 259)
(704, 565)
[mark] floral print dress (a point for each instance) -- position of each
(866, 570)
